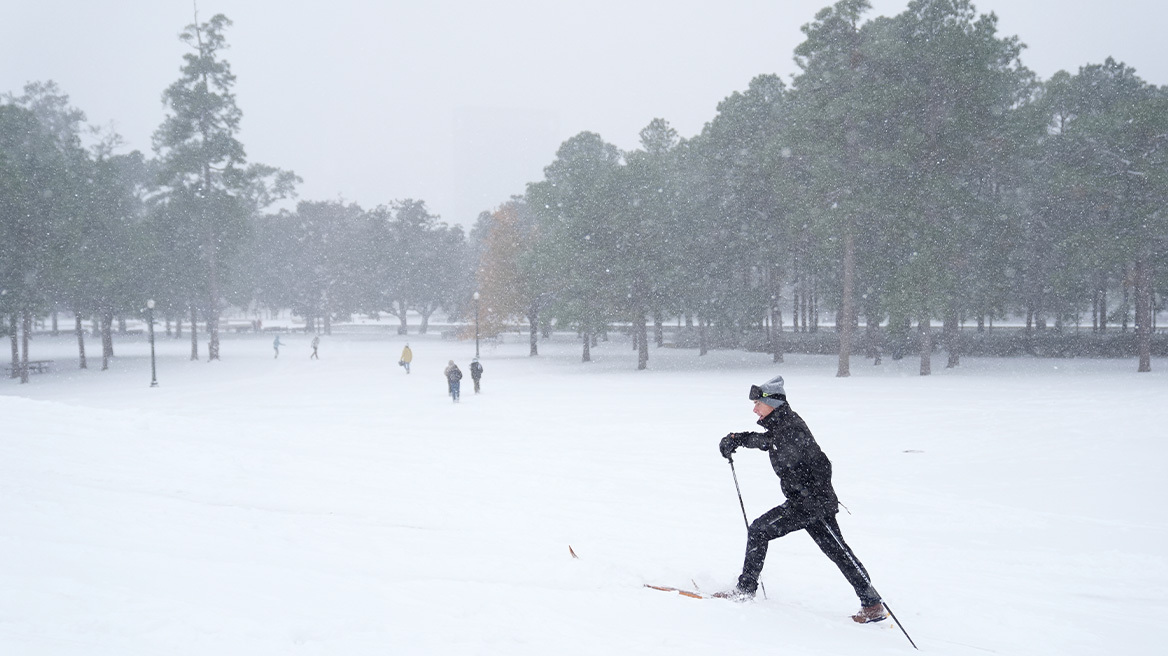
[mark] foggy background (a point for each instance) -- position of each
(460, 104)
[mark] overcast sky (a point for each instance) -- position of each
(460, 103)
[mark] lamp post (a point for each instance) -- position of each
(476, 300)
(150, 323)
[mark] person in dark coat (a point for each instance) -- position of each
(476, 373)
(811, 504)
(453, 376)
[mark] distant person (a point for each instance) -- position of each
(476, 373)
(406, 358)
(453, 378)
(276, 345)
(315, 344)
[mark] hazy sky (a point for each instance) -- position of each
(460, 103)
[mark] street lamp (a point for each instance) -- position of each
(476, 300)
(150, 323)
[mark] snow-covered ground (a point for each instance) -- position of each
(291, 506)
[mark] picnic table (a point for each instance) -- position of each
(34, 366)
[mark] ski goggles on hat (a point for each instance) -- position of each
(756, 393)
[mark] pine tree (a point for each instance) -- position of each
(210, 192)
(576, 204)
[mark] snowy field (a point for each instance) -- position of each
(260, 506)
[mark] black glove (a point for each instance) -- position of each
(728, 444)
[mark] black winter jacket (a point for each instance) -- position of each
(804, 470)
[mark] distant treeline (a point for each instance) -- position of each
(99, 234)
(914, 171)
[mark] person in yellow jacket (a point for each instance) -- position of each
(407, 357)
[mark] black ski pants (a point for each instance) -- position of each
(780, 521)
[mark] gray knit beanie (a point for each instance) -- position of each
(770, 392)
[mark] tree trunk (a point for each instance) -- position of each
(642, 342)
(328, 323)
(26, 329)
(14, 337)
(814, 306)
(80, 341)
(926, 339)
(403, 328)
(1143, 292)
(533, 325)
(872, 339)
(213, 265)
(844, 320)
(795, 305)
(1103, 305)
(55, 330)
(178, 327)
(103, 341)
(109, 335)
(795, 308)
(1095, 311)
(776, 333)
(587, 357)
(1127, 299)
(194, 334)
(107, 338)
(658, 331)
(213, 323)
(952, 339)
(703, 336)
(804, 303)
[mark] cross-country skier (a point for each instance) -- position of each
(805, 478)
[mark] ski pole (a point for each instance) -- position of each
(743, 506)
(740, 504)
(864, 574)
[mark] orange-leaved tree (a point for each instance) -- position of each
(507, 289)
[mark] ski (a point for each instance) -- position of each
(685, 593)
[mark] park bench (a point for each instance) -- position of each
(34, 366)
